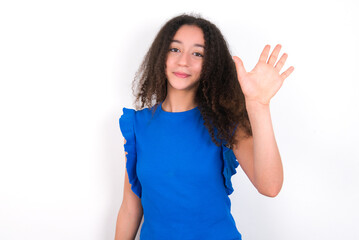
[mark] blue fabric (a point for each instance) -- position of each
(182, 178)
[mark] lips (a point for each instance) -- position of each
(181, 74)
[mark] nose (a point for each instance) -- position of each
(183, 59)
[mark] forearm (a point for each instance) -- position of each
(268, 169)
(127, 224)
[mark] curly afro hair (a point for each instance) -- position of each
(219, 96)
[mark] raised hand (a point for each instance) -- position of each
(264, 81)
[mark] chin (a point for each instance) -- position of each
(182, 85)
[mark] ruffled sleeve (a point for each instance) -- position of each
(230, 164)
(126, 122)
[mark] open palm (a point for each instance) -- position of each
(264, 81)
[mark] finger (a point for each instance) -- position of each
(285, 74)
(274, 55)
(239, 66)
(264, 55)
(281, 62)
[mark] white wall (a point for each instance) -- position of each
(66, 69)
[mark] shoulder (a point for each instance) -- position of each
(126, 122)
(134, 117)
(133, 113)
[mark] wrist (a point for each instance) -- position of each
(255, 104)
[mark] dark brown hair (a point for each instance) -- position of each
(219, 96)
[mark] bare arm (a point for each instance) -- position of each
(259, 155)
(130, 213)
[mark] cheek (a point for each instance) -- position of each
(169, 67)
(169, 62)
(198, 67)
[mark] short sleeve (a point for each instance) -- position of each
(127, 121)
(230, 164)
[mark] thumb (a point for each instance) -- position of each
(239, 66)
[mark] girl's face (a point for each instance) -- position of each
(185, 57)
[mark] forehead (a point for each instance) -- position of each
(189, 34)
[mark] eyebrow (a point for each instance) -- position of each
(197, 45)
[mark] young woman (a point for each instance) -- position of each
(209, 116)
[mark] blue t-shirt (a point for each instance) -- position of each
(182, 178)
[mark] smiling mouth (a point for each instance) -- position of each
(181, 75)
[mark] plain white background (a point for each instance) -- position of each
(66, 69)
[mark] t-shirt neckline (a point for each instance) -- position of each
(175, 114)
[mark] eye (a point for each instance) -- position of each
(199, 55)
(173, 49)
